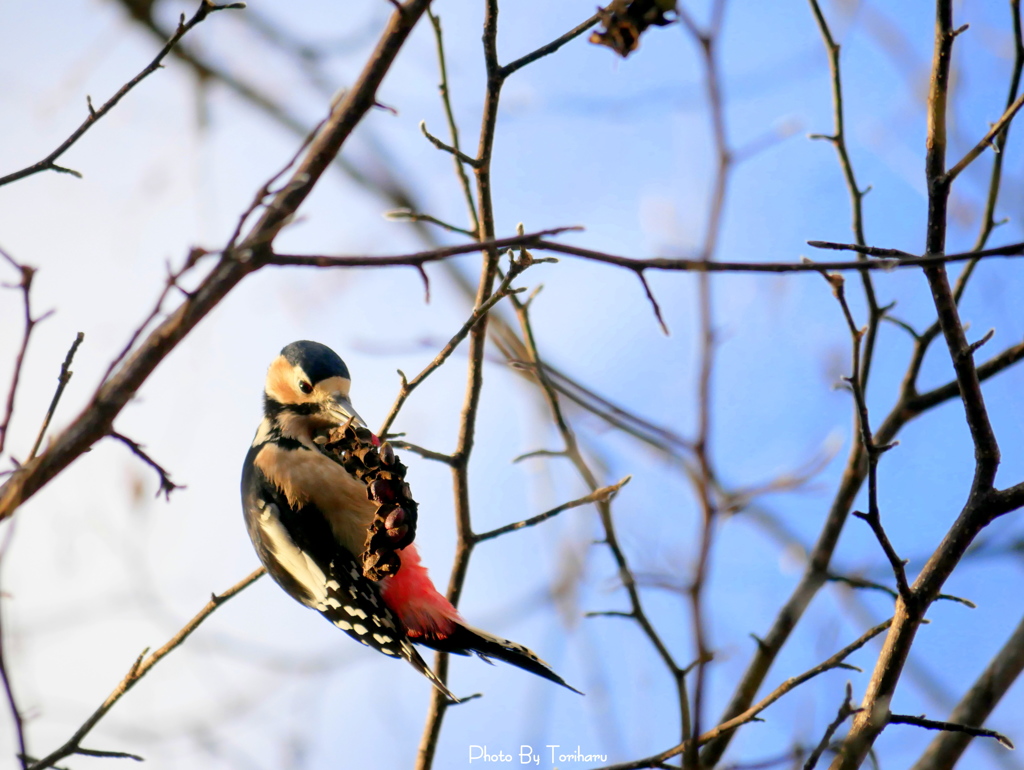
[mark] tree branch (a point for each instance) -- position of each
(836, 661)
(62, 382)
(602, 495)
(139, 669)
(48, 163)
(234, 265)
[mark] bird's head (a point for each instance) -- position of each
(307, 391)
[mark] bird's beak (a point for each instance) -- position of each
(342, 412)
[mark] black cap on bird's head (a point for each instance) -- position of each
(307, 389)
(317, 360)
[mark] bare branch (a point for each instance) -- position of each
(986, 141)
(234, 265)
(62, 382)
(503, 290)
(976, 705)
(836, 661)
(48, 163)
(139, 669)
(166, 485)
(25, 286)
(602, 495)
(846, 710)
(453, 128)
(855, 192)
(527, 240)
(12, 703)
(550, 48)
(932, 724)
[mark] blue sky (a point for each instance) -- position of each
(99, 570)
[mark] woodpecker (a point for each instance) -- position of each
(308, 518)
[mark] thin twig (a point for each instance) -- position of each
(871, 449)
(979, 508)
(453, 129)
(166, 485)
(25, 286)
(455, 152)
(988, 222)
(139, 669)
(575, 456)
(536, 241)
(987, 140)
(838, 140)
(704, 478)
(62, 382)
(474, 379)
(602, 495)
(550, 48)
(407, 215)
(846, 710)
(48, 163)
(932, 724)
(899, 259)
(12, 703)
(527, 240)
(751, 714)
(234, 265)
(427, 454)
(978, 702)
(408, 386)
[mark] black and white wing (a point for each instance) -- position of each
(301, 554)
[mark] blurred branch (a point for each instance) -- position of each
(988, 222)
(453, 129)
(139, 669)
(703, 478)
(846, 710)
(602, 495)
(982, 502)
(987, 140)
(25, 286)
(750, 715)
(48, 163)
(12, 703)
(166, 485)
(977, 703)
(838, 140)
(408, 386)
(932, 724)
(894, 259)
(483, 215)
(62, 382)
(235, 263)
(477, 343)
(419, 258)
(572, 451)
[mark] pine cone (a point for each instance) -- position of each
(394, 524)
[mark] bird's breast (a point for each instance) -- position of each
(306, 477)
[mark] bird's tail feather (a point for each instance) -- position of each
(420, 665)
(466, 639)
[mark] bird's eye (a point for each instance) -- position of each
(305, 387)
